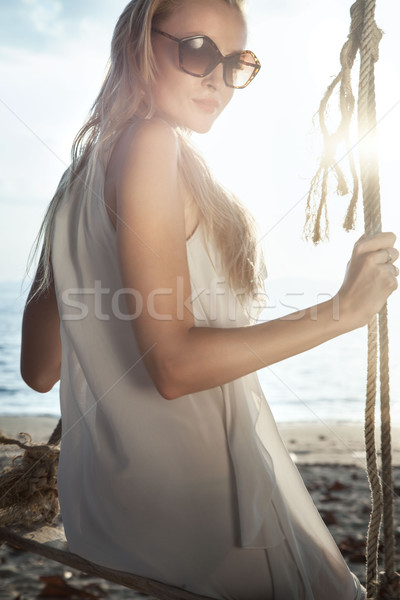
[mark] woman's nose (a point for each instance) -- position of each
(215, 79)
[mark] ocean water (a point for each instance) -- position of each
(323, 384)
(16, 398)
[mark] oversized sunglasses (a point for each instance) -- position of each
(199, 55)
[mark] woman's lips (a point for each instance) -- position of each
(207, 105)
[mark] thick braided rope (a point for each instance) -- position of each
(391, 581)
(372, 224)
(372, 466)
(372, 219)
(364, 36)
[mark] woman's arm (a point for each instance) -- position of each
(41, 343)
(152, 254)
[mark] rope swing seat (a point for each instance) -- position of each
(28, 489)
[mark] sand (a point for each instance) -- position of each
(329, 456)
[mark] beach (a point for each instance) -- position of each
(329, 456)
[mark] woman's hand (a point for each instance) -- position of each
(371, 277)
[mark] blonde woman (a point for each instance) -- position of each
(171, 465)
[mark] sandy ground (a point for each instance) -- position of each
(330, 458)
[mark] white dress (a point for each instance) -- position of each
(198, 492)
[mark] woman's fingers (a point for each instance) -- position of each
(388, 278)
(391, 269)
(370, 278)
(376, 242)
(387, 255)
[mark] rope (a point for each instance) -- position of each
(55, 437)
(317, 225)
(364, 36)
(28, 489)
(369, 169)
(375, 519)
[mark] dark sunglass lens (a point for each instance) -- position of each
(239, 69)
(198, 55)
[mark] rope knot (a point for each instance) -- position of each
(28, 489)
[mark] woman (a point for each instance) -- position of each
(148, 280)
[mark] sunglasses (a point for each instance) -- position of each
(199, 55)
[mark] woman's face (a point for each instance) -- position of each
(180, 98)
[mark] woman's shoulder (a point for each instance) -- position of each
(147, 140)
(151, 134)
(145, 146)
(156, 126)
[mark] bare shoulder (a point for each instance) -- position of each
(146, 147)
(154, 129)
(147, 159)
(148, 140)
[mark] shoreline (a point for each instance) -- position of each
(330, 442)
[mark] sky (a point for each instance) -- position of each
(265, 147)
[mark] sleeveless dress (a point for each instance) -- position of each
(198, 492)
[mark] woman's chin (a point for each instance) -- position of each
(202, 130)
(201, 127)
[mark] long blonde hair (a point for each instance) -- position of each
(125, 96)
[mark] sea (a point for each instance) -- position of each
(324, 384)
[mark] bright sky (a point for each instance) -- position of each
(52, 59)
